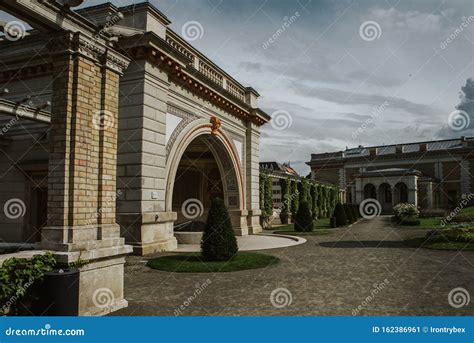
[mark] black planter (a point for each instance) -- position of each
(332, 222)
(59, 295)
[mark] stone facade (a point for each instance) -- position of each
(109, 110)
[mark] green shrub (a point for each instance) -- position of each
(409, 221)
(355, 211)
(458, 233)
(405, 210)
(340, 214)
(349, 213)
(18, 278)
(304, 218)
(218, 240)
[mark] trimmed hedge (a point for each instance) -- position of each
(304, 218)
(349, 213)
(218, 240)
(340, 214)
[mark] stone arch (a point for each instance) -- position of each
(225, 155)
(400, 191)
(385, 196)
(370, 192)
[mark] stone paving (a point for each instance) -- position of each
(361, 270)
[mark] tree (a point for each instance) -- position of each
(314, 200)
(341, 218)
(294, 198)
(218, 240)
(348, 211)
(266, 202)
(304, 218)
(286, 199)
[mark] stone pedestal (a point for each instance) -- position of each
(253, 220)
(149, 233)
(239, 222)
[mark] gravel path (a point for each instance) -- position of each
(363, 270)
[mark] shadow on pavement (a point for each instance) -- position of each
(363, 244)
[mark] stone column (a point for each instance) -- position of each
(413, 190)
(252, 168)
(429, 194)
(82, 169)
(359, 190)
(141, 213)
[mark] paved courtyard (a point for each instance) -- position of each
(363, 267)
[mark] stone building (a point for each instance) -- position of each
(432, 174)
(111, 124)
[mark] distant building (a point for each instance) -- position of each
(278, 171)
(432, 174)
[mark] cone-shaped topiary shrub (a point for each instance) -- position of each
(218, 240)
(304, 218)
(355, 209)
(349, 215)
(341, 219)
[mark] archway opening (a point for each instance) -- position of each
(401, 193)
(385, 197)
(198, 180)
(370, 192)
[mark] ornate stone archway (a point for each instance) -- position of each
(227, 158)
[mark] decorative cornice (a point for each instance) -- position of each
(181, 68)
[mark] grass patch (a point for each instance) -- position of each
(468, 211)
(425, 223)
(439, 244)
(321, 227)
(297, 233)
(192, 263)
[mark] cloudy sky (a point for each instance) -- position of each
(339, 73)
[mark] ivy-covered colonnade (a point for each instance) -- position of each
(322, 198)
